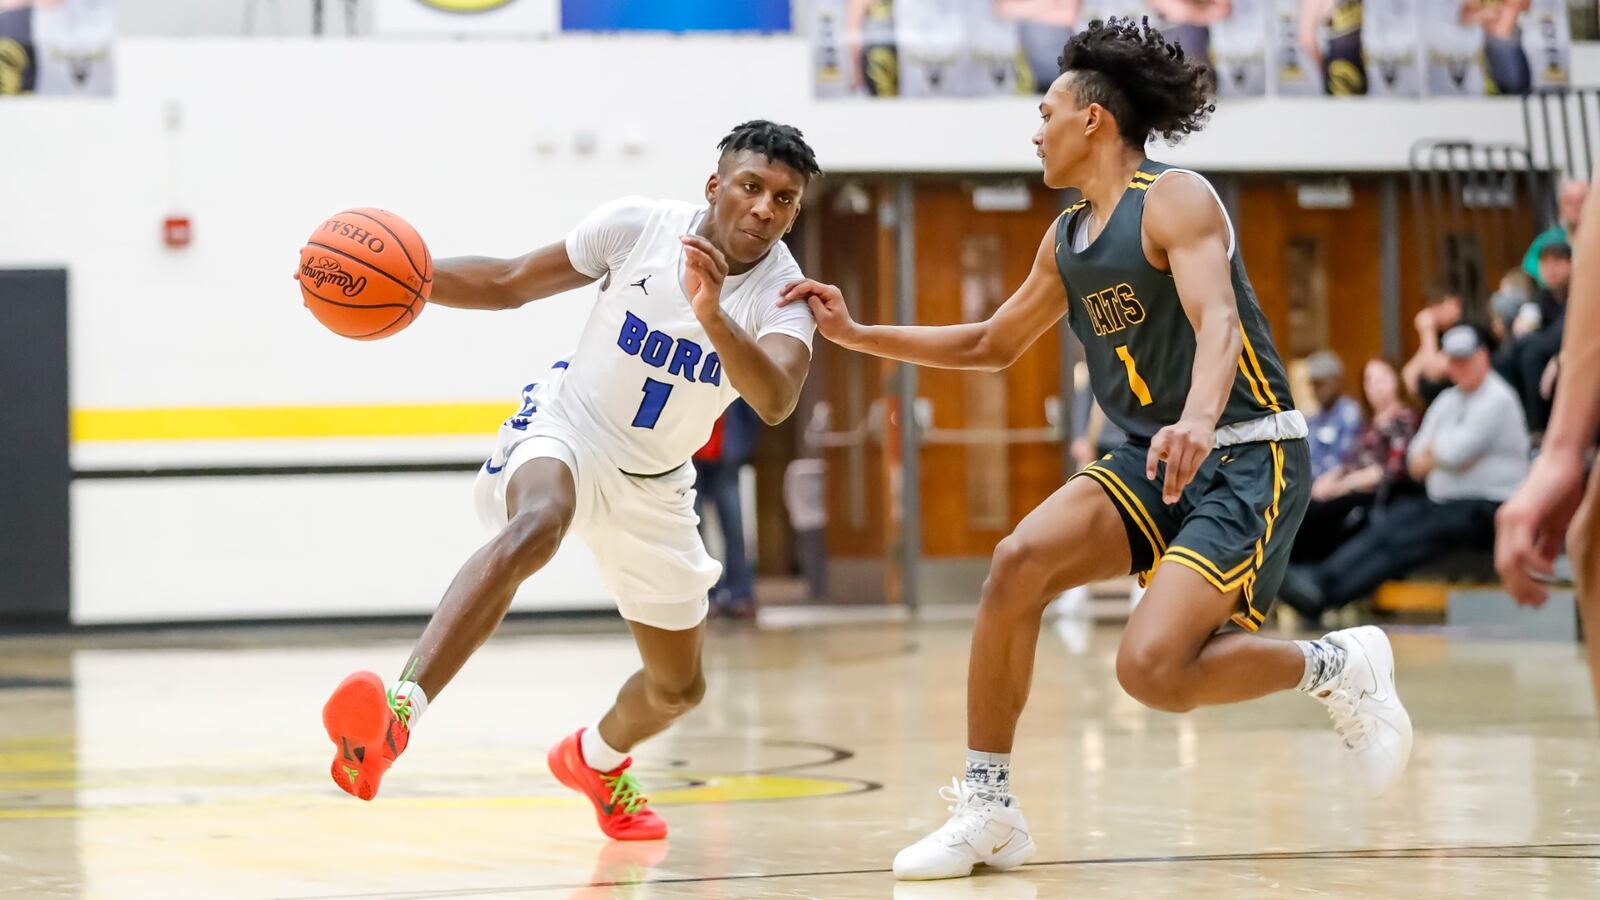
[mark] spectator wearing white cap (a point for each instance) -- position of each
(1471, 453)
(1337, 423)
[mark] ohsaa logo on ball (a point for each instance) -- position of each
(465, 6)
(326, 270)
(356, 233)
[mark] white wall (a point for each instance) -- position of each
(477, 144)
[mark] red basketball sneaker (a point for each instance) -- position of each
(619, 807)
(370, 730)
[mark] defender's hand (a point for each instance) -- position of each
(1183, 447)
(705, 267)
(1531, 527)
(827, 307)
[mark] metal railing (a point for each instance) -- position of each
(1464, 201)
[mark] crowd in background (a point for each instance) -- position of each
(1396, 490)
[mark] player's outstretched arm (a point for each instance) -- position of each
(480, 282)
(990, 345)
(1184, 222)
(1532, 525)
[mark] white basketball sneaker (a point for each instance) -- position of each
(1365, 708)
(979, 832)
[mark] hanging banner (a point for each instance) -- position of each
(655, 15)
(1547, 40)
(17, 71)
(454, 18)
(1452, 45)
(1239, 49)
(1290, 48)
(1391, 35)
(56, 48)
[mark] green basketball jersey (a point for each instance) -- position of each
(1138, 342)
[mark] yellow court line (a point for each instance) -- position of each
(203, 423)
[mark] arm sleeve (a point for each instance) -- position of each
(1459, 444)
(794, 320)
(602, 241)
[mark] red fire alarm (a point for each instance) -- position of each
(176, 231)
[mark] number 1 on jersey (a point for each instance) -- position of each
(655, 400)
(1140, 389)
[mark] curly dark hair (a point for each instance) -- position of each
(1147, 83)
(779, 143)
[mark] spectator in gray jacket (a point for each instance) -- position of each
(1471, 452)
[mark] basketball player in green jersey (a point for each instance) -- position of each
(1215, 476)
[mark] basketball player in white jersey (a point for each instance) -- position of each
(686, 319)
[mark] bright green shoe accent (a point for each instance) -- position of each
(402, 709)
(625, 792)
(351, 774)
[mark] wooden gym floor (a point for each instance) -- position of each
(192, 764)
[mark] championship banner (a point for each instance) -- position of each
(56, 48)
(1340, 48)
(454, 18)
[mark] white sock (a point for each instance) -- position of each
(989, 775)
(1324, 662)
(409, 692)
(597, 754)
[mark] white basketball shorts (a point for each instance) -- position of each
(643, 532)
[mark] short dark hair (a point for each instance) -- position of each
(1560, 249)
(779, 143)
(1144, 81)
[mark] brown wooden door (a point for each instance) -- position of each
(976, 483)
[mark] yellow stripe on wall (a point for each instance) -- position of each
(210, 423)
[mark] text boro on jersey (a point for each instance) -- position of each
(659, 349)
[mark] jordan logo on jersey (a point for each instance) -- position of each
(680, 357)
(1113, 309)
(640, 284)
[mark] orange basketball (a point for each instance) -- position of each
(365, 274)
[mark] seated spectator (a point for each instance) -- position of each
(716, 467)
(1536, 336)
(1426, 374)
(1337, 423)
(1471, 451)
(1516, 289)
(1374, 473)
(1569, 208)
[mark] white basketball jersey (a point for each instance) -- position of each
(645, 384)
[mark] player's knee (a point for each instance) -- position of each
(677, 696)
(1016, 574)
(1150, 676)
(529, 540)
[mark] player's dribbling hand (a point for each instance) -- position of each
(1183, 447)
(704, 270)
(827, 307)
(1531, 527)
